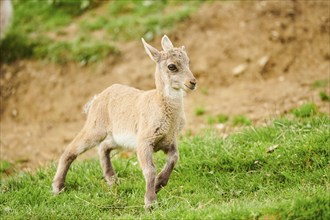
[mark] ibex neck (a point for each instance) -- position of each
(165, 91)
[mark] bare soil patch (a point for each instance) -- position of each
(276, 50)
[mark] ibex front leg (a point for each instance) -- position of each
(144, 153)
(164, 175)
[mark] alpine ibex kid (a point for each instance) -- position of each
(145, 121)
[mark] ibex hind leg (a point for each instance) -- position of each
(105, 159)
(85, 140)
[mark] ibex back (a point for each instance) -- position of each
(145, 121)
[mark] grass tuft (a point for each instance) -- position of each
(6, 168)
(16, 46)
(305, 110)
(211, 120)
(324, 96)
(222, 118)
(241, 120)
(320, 83)
(200, 111)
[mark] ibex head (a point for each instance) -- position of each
(173, 65)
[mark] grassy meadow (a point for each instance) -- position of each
(64, 31)
(278, 171)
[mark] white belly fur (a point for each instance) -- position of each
(126, 140)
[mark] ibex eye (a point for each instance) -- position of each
(172, 67)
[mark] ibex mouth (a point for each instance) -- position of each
(191, 87)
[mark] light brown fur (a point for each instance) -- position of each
(147, 121)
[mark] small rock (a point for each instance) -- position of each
(220, 126)
(263, 61)
(275, 35)
(14, 112)
(239, 69)
(7, 209)
(272, 148)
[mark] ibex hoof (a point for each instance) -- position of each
(113, 180)
(150, 206)
(57, 189)
(150, 201)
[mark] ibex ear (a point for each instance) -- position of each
(153, 53)
(166, 43)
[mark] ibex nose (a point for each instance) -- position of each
(193, 82)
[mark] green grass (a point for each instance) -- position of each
(220, 118)
(27, 37)
(320, 83)
(45, 37)
(211, 120)
(232, 178)
(305, 110)
(324, 96)
(6, 168)
(200, 111)
(240, 120)
(133, 19)
(81, 50)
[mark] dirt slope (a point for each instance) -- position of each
(277, 49)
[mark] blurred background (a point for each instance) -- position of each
(253, 60)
